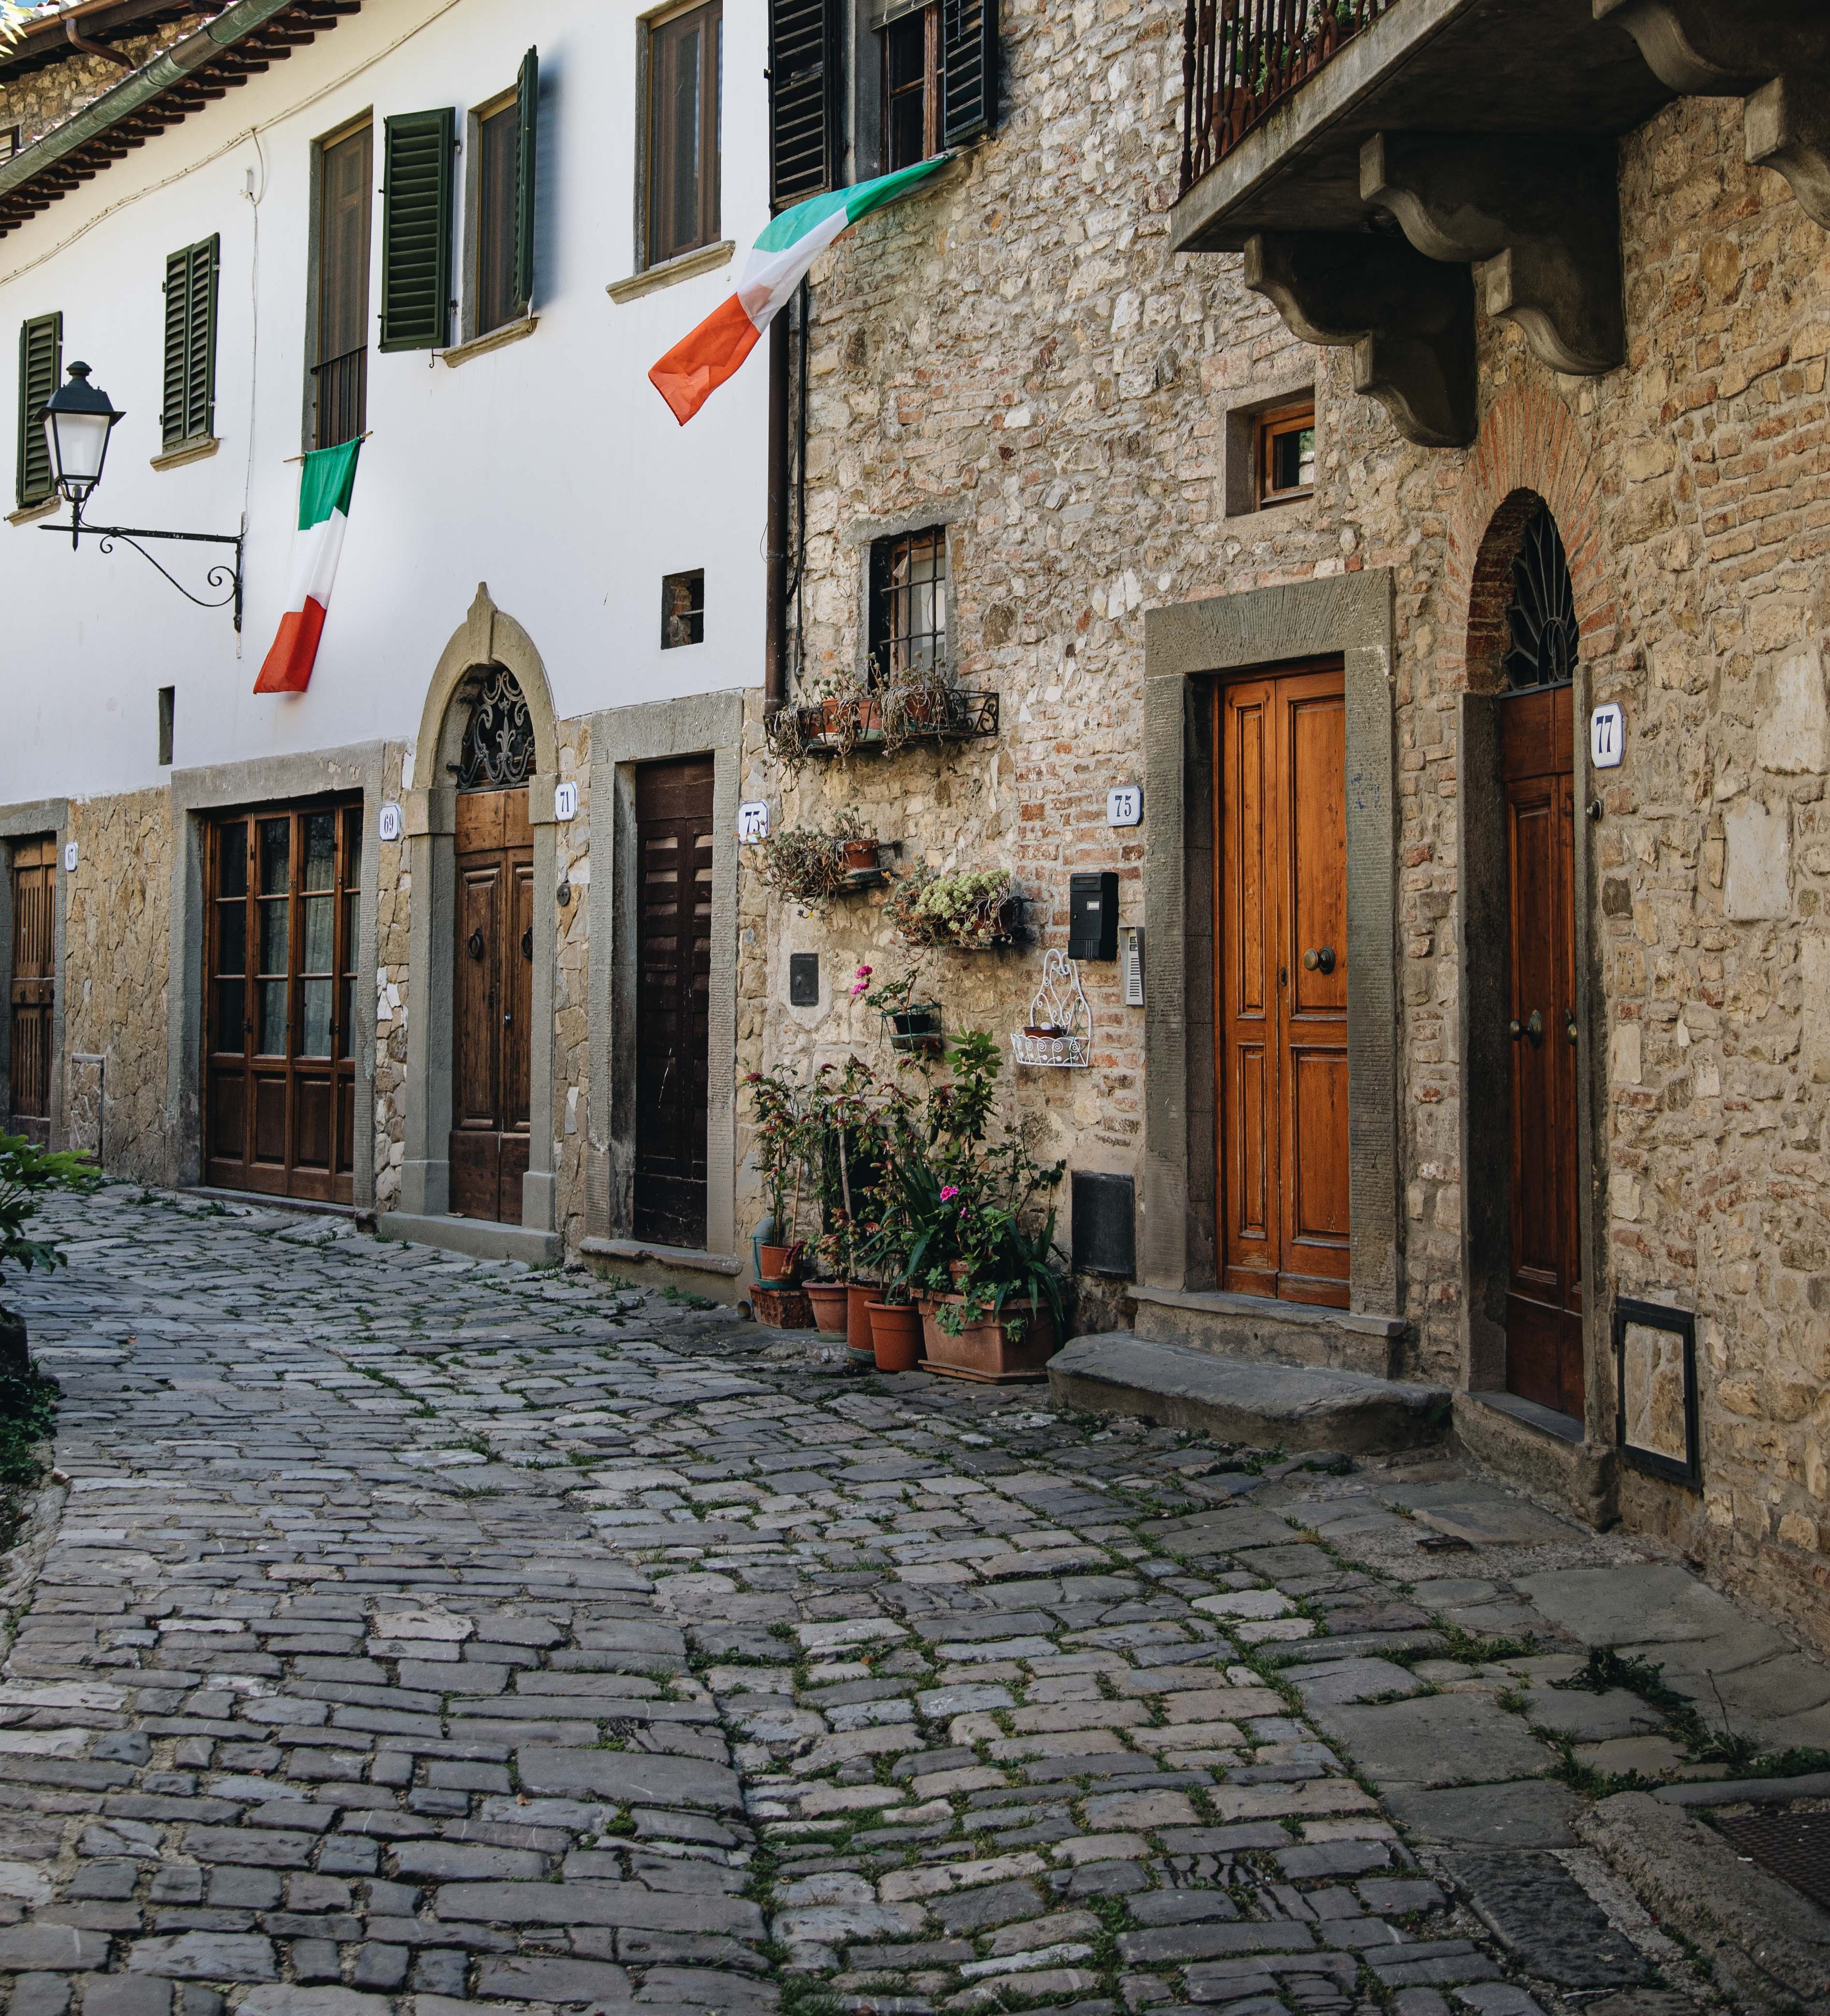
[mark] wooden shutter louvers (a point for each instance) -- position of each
(969, 69)
(804, 76)
(415, 230)
(41, 359)
(527, 104)
(189, 411)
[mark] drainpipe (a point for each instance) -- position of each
(775, 677)
(90, 49)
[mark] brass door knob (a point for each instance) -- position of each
(1319, 958)
(1533, 1026)
(473, 944)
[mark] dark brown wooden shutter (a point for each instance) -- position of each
(528, 111)
(969, 69)
(804, 76)
(415, 230)
(190, 343)
(41, 359)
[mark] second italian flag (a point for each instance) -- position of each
(325, 488)
(699, 363)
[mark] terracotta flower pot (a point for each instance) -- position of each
(781, 1265)
(983, 1351)
(780, 1309)
(860, 857)
(896, 1336)
(828, 1298)
(858, 1297)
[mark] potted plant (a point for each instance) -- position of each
(895, 1323)
(805, 865)
(913, 1027)
(781, 1149)
(859, 847)
(26, 1172)
(973, 910)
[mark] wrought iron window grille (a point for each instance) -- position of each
(498, 749)
(1541, 616)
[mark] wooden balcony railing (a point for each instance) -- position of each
(1241, 57)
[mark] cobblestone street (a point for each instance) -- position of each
(413, 1627)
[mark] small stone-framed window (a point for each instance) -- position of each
(8, 142)
(1285, 458)
(908, 605)
(682, 609)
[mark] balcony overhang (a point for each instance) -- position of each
(1446, 133)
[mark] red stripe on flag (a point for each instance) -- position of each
(704, 358)
(289, 664)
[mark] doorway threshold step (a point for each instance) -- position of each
(1266, 1331)
(1255, 1402)
(481, 1238)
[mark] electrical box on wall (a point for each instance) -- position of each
(1105, 1224)
(803, 980)
(1093, 916)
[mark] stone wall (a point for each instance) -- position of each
(1016, 353)
(392, 989)
(117, 942)
(39, 99)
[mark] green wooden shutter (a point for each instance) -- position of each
(415, 230)
(969, 69)
(41, 361)
(803, 73)
(527, 100)
(189, 411)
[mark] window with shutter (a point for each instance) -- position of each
(415, 230)
(41, 359)
(528, 111)
(684, 61)
(969, 69)
(497, 140)
(340, 377)
(803, 98)
(189, 409)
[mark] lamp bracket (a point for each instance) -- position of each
(219, 576)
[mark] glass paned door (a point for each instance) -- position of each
(279, 1073)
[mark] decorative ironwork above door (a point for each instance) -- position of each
(498, 749)
(1541, 616)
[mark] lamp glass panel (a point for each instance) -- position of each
(78, 442)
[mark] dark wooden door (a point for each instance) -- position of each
(1280, 1052)
(493, 1005)
(35, 988)
(279, 1047)
(673, 837)
(1543, 1303)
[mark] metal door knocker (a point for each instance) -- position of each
(528, 942)
(473, 944)
(1319, 958)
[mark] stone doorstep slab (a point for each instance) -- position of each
(1259, 1404)
(479, 1239)
(1254, 1327)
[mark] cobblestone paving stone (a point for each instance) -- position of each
(421, 1628)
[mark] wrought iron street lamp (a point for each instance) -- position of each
(80, 420)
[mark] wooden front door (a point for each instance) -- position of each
(280, 1048)
(1280, 933)
(492, 1006)
(35, 988)
(1543, 1302)
(673, 838)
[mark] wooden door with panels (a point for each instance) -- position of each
(1280, 983)
(280, 1007)
(493, 1005)
(1544, 1290)
(673, 838)
(34, 986)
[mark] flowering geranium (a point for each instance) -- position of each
(860, 982)
(948, 1192)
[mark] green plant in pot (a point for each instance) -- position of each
(780, 1148)
(27, 1174)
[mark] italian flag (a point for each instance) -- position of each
(698, 364)
(329, 478)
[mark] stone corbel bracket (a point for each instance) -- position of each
(1544, 209)
(1409, 320)
(1775, 54)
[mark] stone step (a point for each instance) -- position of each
(1242, 1400)
(1271, 1332)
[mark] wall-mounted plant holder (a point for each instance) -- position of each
(863, 861)
(916, 1030)
(1655, 1387)
(1059, 1034)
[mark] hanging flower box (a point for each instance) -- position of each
(848, 723)
(916, 1030)
(1059, 1035)
(977, 911)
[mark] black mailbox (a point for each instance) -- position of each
(803, 980)
(1105, 1217)
(1093, 916)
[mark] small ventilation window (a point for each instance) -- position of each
(1286, 455)
(682, 609)
(168, 717)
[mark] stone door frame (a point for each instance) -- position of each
(487, 636)
(27, 822)
(621, 740)
(1348, 616)
(196, 796)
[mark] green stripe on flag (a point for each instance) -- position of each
(858, 201)
(328, 479)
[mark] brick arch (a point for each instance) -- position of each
(1528, 448)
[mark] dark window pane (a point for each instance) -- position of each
(320, 849)
(684, 164)
(499, 170)
(318, 954)
(231, 936)
(345, 206)
(230, 1014)
(275, 936)
(352, 847)
(910, 88)
(686, 60)
(232, 860)
(909, 604)
(272, 996)
(314, 1038)
(276, 856)
(345, 1019)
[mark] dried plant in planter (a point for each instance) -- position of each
(973, 910)
(804, 866)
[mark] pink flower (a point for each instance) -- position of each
(860, 982)
(948, 1194)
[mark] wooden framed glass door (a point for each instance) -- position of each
(34, 986)
(279, 1050)
(492, 1006)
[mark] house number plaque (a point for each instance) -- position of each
(389, 824)
(1608, 736)
(565, 802)
(753, 822)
